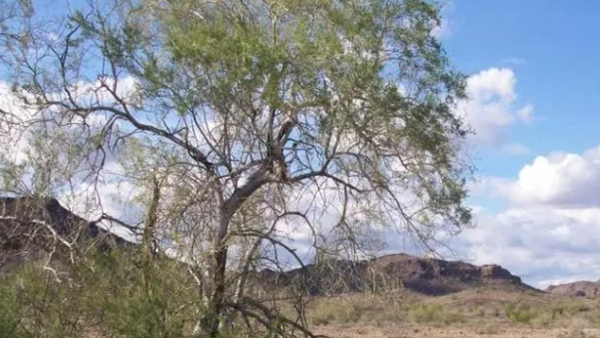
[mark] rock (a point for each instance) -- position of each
(27, 227)
(576, 289)
(24, 225)
(492, 271)
(422, 275)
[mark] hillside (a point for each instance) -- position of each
(430, 298)
(30, 228)
(576, 289)
(25, 223)
(426, 276)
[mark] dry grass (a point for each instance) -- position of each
(473, 313)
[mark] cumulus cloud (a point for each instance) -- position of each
(542, 245)
(550, 231)
(13, 114)
(558, 179)
(525, 114)
(491, 107)
(108, 194)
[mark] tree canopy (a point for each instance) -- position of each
(239, 124)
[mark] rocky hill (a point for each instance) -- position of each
(423, 275)
(576, 289)
(28, 227)
(32, 227)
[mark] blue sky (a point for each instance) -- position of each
(538, 196)
(553, 48)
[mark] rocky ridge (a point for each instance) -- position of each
(428, 276)
(32, 227)
(27, 227)
(586, 289)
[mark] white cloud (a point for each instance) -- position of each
(515, 149)
(525, 114)
(115, 198)
(447, 26)
(12, 129)
(517, 61)
(539, 244)
(490, 109)
(16, 116)
(564, 179)
(125, 88)
(550, 232)
(86, 199)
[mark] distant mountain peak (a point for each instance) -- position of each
(428, 276)
(576, 289)
(28, 226)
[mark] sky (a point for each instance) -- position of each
(533, 73)
(533, 78)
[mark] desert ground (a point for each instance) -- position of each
(432, 332)
(472, 313)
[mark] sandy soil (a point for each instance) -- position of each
(389, 332)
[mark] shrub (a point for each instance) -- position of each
(107, 293)
(520, 313)
(10, 312)
(338, 310)
(433, 314)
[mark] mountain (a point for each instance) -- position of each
(30, 228)
(576, 289)
(427, 276)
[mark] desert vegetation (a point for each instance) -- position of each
(472, 313)
(232, 168)
(234, 126)
(109, 295)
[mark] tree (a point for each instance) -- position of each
(250, 117)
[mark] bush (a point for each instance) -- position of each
(10, 311)
(337, 311)
(520, 313)
(109, 294)
(434, 314)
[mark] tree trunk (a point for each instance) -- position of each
(209, 323)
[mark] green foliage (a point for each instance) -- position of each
(157, 295)
(520, 313)
(10, 310)
(364, 89)
(233, 59)
(307, 54)
(434, 314)
(109, 294)
(348, 310)
(329, 312)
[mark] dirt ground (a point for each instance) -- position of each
(475, 313)
(360, 331)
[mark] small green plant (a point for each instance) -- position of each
(129, 301)
(338, 311)
(434, 314)
(520, 313)
(9, 311)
